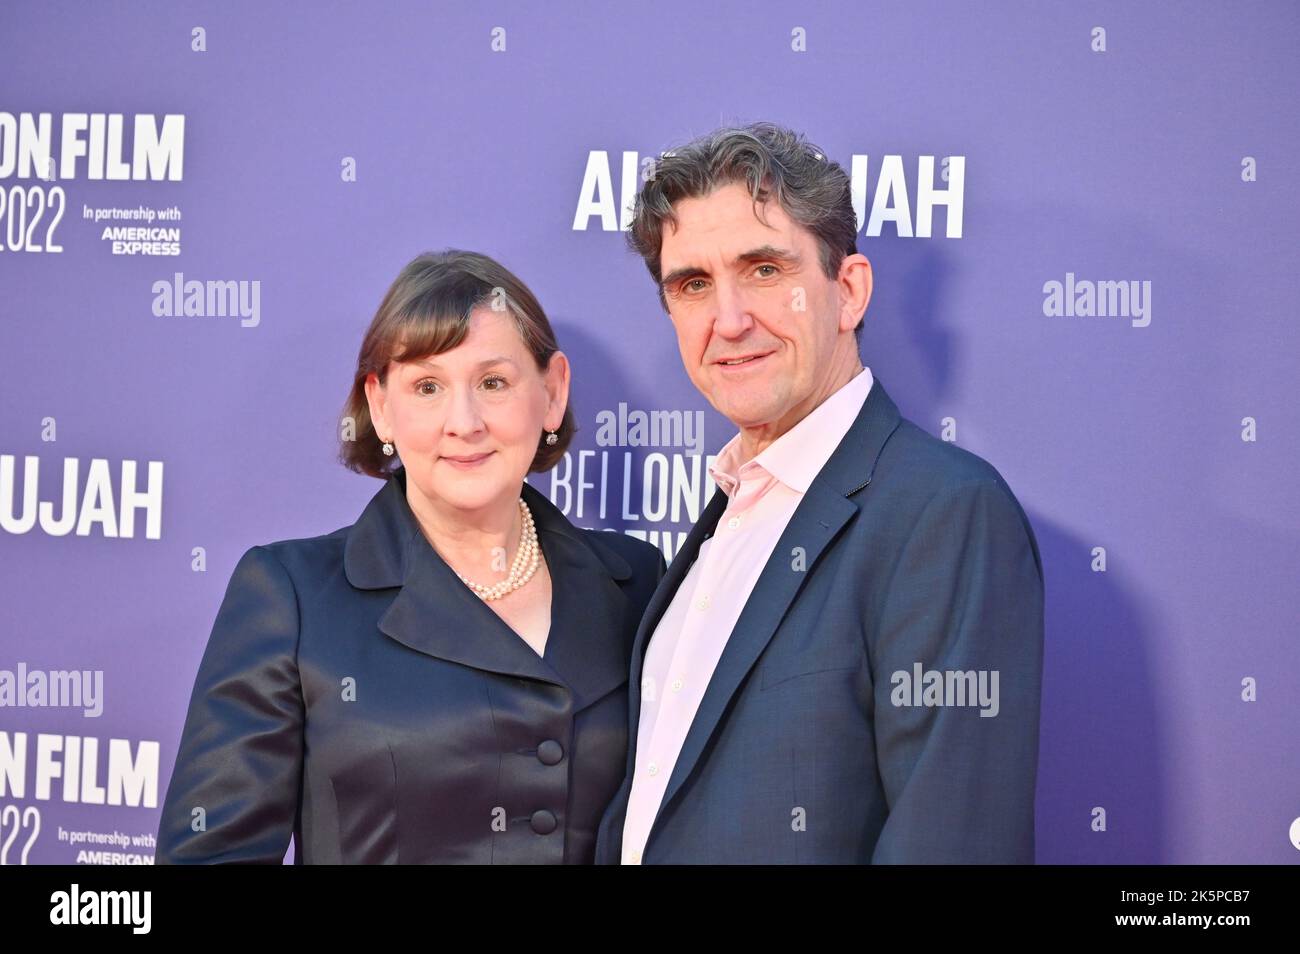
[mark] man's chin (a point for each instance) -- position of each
(744, 415)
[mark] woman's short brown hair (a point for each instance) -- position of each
(427, 311)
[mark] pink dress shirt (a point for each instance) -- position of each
(688, 642)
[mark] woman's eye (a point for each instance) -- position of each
(495, 379)
(422, 389)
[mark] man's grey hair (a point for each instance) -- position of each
(774, 163)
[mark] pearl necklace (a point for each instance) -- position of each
(524, 566)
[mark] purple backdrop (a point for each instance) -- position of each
(324, 146)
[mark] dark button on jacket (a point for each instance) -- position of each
(356, 694)
(550, 752)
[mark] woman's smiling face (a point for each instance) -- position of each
(466, 422)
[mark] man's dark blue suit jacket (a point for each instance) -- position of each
(906, 555)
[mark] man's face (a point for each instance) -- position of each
(740, 289)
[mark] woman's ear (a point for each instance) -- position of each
(377, 398)
(557, 388)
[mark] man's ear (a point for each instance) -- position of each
(855, 290)
(377, 398)
(557, 388)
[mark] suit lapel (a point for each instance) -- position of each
(659, 602)
(589, 610)
(820, 516)
(436, 614)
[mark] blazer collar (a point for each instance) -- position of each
(853, 462)
(436, 614)
(848, 470)
(824, 510)
(377, 553)
(797, 456)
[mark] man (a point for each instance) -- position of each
(843, 663)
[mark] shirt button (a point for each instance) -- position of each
(733, 523)
(703, 603)
(652, 769)
(634, 857)
(677, 685)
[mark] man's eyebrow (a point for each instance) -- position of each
(766, 253)
(486, 362)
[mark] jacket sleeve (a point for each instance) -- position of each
(235, 790)
(966, 596)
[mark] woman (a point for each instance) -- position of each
(444, 680)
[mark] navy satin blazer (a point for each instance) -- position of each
(905, 552)
(356, 694)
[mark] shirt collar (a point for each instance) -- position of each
(797, 456)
